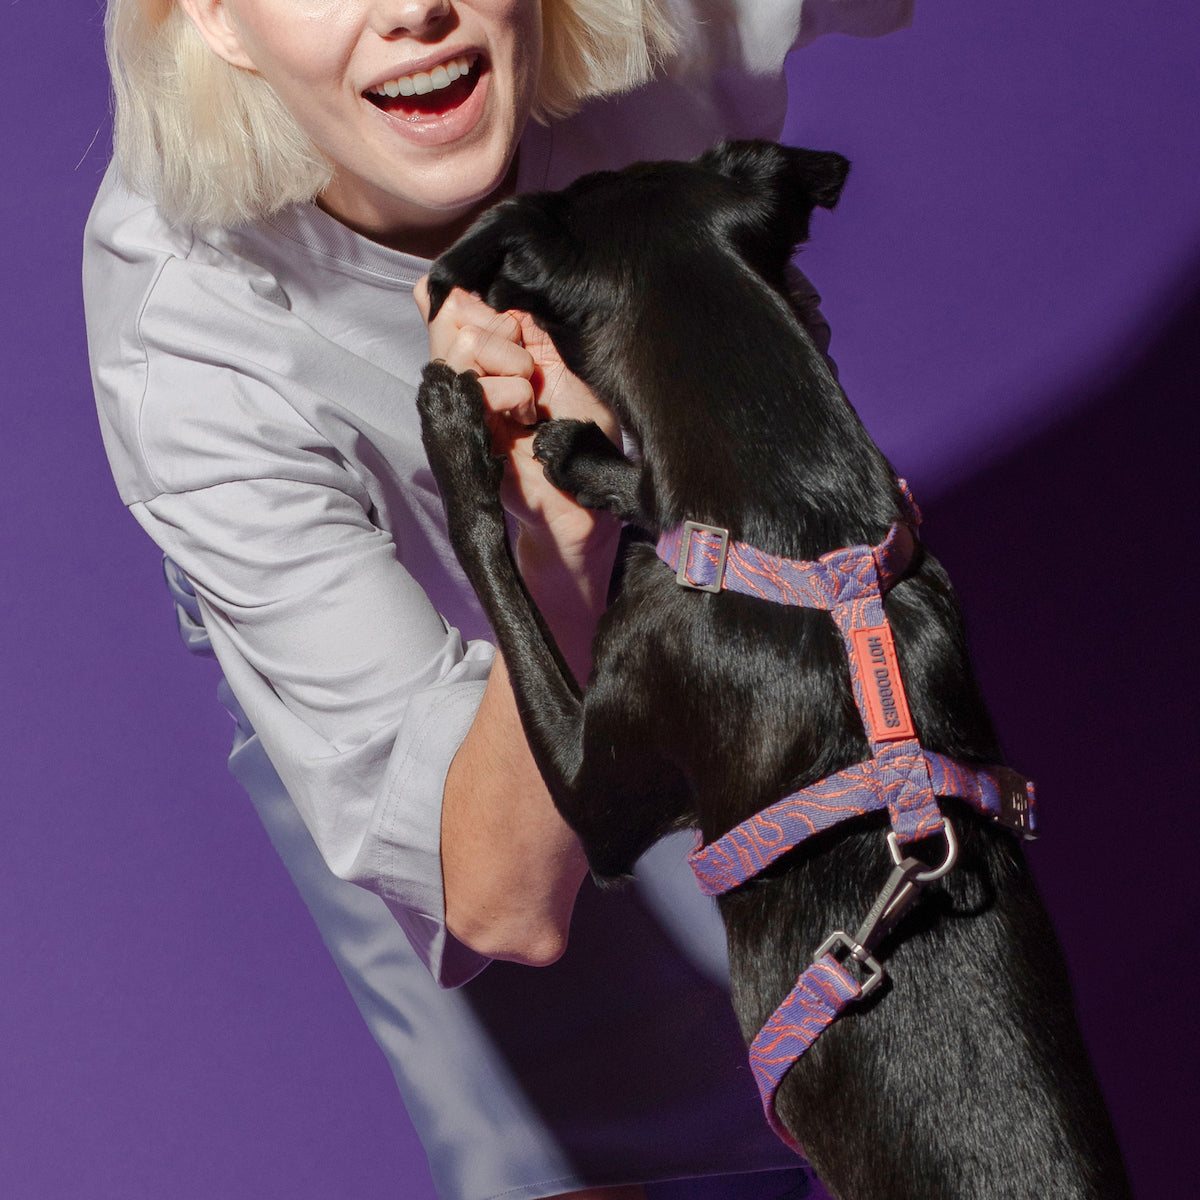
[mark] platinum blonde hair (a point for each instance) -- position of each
(213, 143)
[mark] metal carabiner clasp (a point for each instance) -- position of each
(903, 886)
(895, 898)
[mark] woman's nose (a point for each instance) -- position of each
(416, 18)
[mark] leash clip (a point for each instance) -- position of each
(896, 897)
(903, 886)
(685, 553)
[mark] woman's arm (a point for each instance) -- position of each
(363, 699)
(511, 867)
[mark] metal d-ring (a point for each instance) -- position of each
(937, 872)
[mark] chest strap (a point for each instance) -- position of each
(901, 777)
(876, 784)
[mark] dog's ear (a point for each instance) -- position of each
(510, 256)
(782, 183)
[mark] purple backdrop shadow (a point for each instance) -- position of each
(1013, 278)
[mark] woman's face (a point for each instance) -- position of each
(410, 164)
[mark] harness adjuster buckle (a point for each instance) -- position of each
(841, 940)
(1016, 803)
(685, 551)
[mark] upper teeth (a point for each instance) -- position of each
(424, 82)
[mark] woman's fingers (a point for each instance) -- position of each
(468, 336)
(487, 351)
(559, 392)
(421, 296)
(464, 324)
(461, 305)
(510, 397)
(522, 378)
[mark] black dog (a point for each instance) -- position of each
(663, 287)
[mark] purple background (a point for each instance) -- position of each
(1012, 279)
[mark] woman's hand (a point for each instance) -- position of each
(565, 551)
(469, 336)
(557, 393)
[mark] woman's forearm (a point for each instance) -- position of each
(511, 867)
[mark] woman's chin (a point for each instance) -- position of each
(425, 211)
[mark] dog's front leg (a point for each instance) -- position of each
(618, 798)
(458, 443)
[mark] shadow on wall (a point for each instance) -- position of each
(1075, 557)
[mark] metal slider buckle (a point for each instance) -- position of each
(1016, 804)
(685, 551)
(841, 939)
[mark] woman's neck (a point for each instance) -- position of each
(422, 238)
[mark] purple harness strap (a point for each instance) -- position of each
(869, 786)
(900, 777)
(817, 1000)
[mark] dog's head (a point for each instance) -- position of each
(584, 259)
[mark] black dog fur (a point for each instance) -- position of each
(663, 287)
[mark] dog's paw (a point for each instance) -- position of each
(450, 404)
(579, 459)
(457, 440)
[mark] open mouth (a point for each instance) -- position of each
(428, 93)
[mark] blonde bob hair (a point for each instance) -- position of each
(213, 143)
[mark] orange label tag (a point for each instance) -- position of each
(887, 715)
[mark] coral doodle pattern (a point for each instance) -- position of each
(901, 771)
(901, 777)
(816, 1001)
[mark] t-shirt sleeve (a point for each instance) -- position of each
(222, 420)
(724, 80)
(756, 35)
(358, 689)
(856, 18)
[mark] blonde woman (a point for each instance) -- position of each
(253, 275)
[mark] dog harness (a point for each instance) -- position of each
(901, 777)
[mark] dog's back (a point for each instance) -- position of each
(664, 289)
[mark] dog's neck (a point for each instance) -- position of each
(787, 466)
